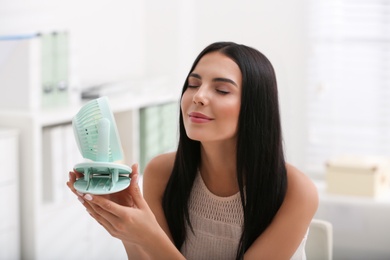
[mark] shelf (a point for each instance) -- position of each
(62, 115)
(118, 103)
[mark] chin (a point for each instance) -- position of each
(195, 138)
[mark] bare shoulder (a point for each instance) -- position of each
(157, 173)
(155, 179)
(301, 189)
(292, 220)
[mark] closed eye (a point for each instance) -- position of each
(192, 86)
(223, 92)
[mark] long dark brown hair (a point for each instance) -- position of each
(260, 156)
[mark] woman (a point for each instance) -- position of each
(226, 193)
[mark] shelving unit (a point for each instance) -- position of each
(9, 195)
(53, 224)
(62, 229)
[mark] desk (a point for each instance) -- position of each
(361, 225)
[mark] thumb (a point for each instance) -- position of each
(135, 190)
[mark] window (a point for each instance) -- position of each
(348, 80)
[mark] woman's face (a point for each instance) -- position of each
(211, 102)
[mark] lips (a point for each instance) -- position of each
(199, 117)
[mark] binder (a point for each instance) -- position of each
(55, 69)
(61, 67)
(48, 81)
(20, 72)
(34, 70)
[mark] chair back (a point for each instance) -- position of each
(319, 244)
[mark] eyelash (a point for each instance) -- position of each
(222, 92)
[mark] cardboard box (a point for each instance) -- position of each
(359, 176)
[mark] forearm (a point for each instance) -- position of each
(135, 252)
(161, 247)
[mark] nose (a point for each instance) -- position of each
(200, 97)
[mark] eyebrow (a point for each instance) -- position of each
(194, 75)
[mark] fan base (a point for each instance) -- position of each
(102, 178)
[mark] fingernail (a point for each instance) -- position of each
(88, 197)
(81, 194)
(81, 200)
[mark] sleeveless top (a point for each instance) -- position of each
(217, 223)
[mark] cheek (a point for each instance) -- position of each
(186, 100)
(232, 113)
(185, 103)
(233, 110)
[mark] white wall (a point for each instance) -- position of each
(107, 36)
(277, 28)
(170, 38)
(178, 30)
(116, 39)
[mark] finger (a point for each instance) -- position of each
(135, 190)
(72, 179)
(78, 174)
(134, 170)
(104, 206)
(80, 196)
(108, 213)
(91, 209)
(70, 184)
(93, 212)
(72, 176)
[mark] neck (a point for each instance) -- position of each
(218, 168)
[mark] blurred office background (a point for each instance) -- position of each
(332, 61)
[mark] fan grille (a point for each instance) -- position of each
(85, 125)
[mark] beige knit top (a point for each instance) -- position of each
(217, 223)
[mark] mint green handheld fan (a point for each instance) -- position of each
(98, 140)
